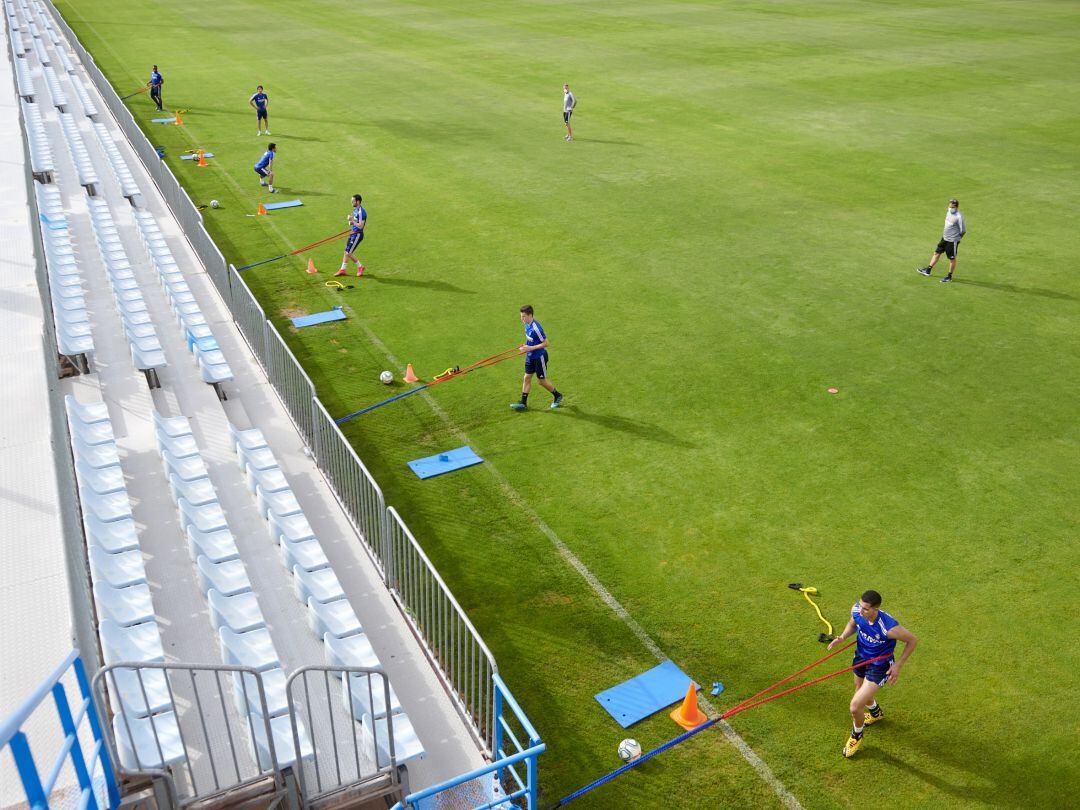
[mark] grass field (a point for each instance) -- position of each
(734, 230)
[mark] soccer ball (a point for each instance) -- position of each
(214, 204)
(386, 378)
(629, 750)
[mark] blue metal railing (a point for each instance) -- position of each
(12, 736)
(504, 762)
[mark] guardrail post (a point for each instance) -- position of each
(533, 772)
(496, 745)
(67, 723)
(95, 728)
(28, 772)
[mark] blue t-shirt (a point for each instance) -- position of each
(534, 336)
(872, 640)
(260, 101)
(155, 78)
(360, 215)
(264, 161)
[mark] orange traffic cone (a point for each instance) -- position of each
(410, 375)
(202, 158)
(688, 715)
(178, 122)
(262, 210)
(311, 266)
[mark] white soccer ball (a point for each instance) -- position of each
(214, 203)
(629, 750)
(386, 378)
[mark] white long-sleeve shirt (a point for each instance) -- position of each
(954, 226)
(568, 101)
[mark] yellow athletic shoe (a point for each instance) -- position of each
(870, 719)
(852, 746)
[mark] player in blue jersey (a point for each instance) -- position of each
(357, 222)
(259, 101)
(155, 83)
(878, 633)
(536, 361)
(265, 168)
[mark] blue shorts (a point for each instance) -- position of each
(260, 172)
(877, 672)
(260, 114)
(353, 240)
(537, 366)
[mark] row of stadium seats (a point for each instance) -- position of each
(73, 335)
(52, 81)
(234, 608)
(124, 178)
(146, 352)
(42, 162)
(330, 615)
(84, 166)
(88, 105)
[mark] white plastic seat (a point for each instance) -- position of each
(144, 361)
(292, 527)
(97, 455)
(139, 642)
(271, 480)
(186, 469)
(227, 578)
(239, 612)
(138, 692)
(259, 458)
(274, 688)
(284, 746)
(172, 426)
(86, 412)
(206, 518)
(178, 446)
(307, 554)
(351, 651)
(367, 694)
(217, 546)
(118, 570)
(112, 538)
(335, 618)
(125, 606)
(148, 743)
(94, 433)
(321, 585)
(253, 649)
(281, 503)
(107, 508)
(101, 480)
(407, 744)
(197, 493)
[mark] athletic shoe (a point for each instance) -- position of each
(359, 270)
(852, 745)
(557, 402)
(340, 272)
(925, 270)
(869, 719)
(267, 132)
(947, 279)
(518, 406)
(262, 183)
(273, 190)
(258, 133)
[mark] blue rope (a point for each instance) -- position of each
(686, 735)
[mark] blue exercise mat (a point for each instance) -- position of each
(196, 157)
(286, 204)
(648, 693)
(336, 314)
(163, 120)
(444, 462)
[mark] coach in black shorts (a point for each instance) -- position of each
(955, 228)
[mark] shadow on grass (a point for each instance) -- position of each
(307, 192)
(1012, 288)
(990, 796)
(610, 143)
(439, 286)
(623, 424)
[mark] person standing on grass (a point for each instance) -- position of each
(357, 221)
(568, 104)
(265, 168)
(955, 228)
(535, 361)
(878, 633)
(259, 101)
(156, 80)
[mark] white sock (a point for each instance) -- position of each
(872, 706)
(858, 729)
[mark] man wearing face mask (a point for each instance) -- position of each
(950, 241)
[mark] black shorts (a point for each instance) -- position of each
(260, 115)
(261, 172)
(537, 366)
(877, 672)
(566, 116)
(353, 240)
(948, 248)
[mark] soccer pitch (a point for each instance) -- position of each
(734, 230)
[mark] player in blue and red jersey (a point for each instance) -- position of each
(536, 361)
(265, 168)
(878, 633)
(357, 222)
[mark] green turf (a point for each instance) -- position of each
(734, 230)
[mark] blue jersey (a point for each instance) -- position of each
(155, 79)
(360, 217)
(264, 161)
(872, 640)
(260, 101)
(534, 336)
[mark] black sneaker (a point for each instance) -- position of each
(947, 279)
(924, 270)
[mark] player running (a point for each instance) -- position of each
(568, 104)
(155, 83)
(265, 168)
(259, 101)
(878, 633)
(535, 361)
(955, 228)
(357, 221)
